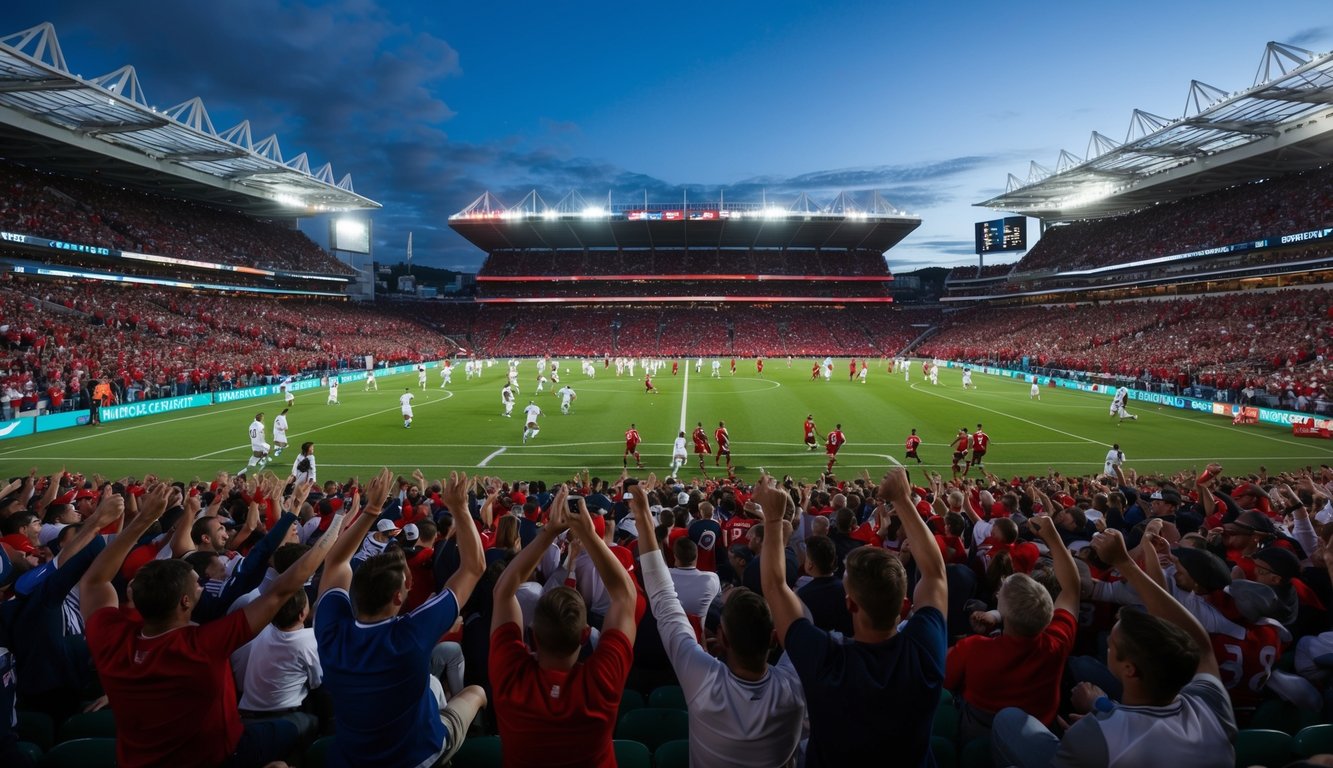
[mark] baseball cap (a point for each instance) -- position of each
(683, 499)
(1167, 495)
(628, 527)
(624, 556)
(49, 533)
(1255, 521)
(386, 526)
(1208, 570)
(410, 531)
(1255, 601)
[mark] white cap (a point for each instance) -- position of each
(683, 498)
(50, 533)
(410, 532)
(385, 526)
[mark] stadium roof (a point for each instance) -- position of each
(1283, 123)
(573, 224)
(106, 127)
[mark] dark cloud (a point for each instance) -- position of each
(1309, 36)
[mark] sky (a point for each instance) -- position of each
(429, 104)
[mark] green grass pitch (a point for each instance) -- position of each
(462, 428)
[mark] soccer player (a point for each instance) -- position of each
(258, 446)
(865, 370)
(648, 385)
(333, 389)
(814, 371)
(851, 370)
(1035, 392)
(632, 441)
(723, 445)
(980, 443)
(701, 447)
(286, 389)
(405, 401)
(913, 442)
(935, 375)
(1118, 405)
(678, 453)
(555, 377)
(759, 366)
(675, 366)
(280, 433)
(530, 415)
(421, 375)
(717, 369)
(961, 443)
(370, 382)
(832, 443)
(967, 377)
(698, 365)
(446, 374)
(733, 366)
(507, 400)
(907, 370)
(541, 383)
(1114, 458)
(566, 398)
(811, 433)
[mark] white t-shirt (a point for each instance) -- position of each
(301, 477)
(405, 400)
(696, 589)
(506, 395)
(532, 412)
(1114, 458)
(679, 448)
(566, 394)
(280, 670)
(732, 721)
(333, 385)
(280, 428)
(257, 436)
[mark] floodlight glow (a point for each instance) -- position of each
(291, 200)
(774, 213)
(351, 229)
(550, 213)
(593, 212)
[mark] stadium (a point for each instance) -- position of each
(631, 384)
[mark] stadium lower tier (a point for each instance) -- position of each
(635, 290)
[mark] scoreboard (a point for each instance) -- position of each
(1007, 234)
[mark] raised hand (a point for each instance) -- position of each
(153, 503)
(1110, 547)
(109, 509)
(378, 491)
(455, 493)
(772, 500)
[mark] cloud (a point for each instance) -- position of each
(1309, 36)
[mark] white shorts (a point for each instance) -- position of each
(280, 438)
(680, 456)
(407, 412)
(261, 448)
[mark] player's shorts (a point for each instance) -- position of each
(958, 457)
(977, 456)
(911, 453)
(723, 451)
(407, 412)
(810, 438)
(532, 425)
(680, 456)
(261, 448)
(280, 439)
(631, 447)
(831, 450)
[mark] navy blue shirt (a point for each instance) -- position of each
(827, 601)
(867, 700)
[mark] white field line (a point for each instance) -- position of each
(684, 398)
(493, 454)
(1011, 416)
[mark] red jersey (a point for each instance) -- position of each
(632, 439)
(1246, 664)
(960, 445)
(759, 364)
(647, 382)
(809, 429)
(980, 441)
(913, 442)
(422, 565)
(835, 441)
(737, 529)
(701, 441)
(723, 440)
(675, 366)
(1008, 671)
(174, 695)
(554, 718)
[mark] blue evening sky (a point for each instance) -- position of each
(429, 104)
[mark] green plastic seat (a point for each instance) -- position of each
(667, 697)
(653, 727)
(977, 754)
(317, 754)
(1278, 715)
(1255, 746)
(89, 725)
(946, 722)
(673, 754)
(82, 753)
(1314, 740)
(632, 754)
(33, 751)
(946, 754)
(37, 728)
(631, 700)
(479, 752)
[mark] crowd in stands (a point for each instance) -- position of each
(90, 213)
(57, 340)
(1107, 619)
(1266, 208)
(987, 272)
(702, 290)
(1276, 342)
(837, 263)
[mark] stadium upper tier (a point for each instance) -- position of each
(700, 264)
(646, 288)
(82, 214)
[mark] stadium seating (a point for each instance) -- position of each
(653, 726)
(1256, 746)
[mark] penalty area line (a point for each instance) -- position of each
(492, 455)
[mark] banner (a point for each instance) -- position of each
(65, 420)
(1319, 428)
(21, 427)
(153, 407)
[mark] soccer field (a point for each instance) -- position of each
(462, 428)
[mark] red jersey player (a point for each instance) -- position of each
(960, 445)
(759, 366)
(980, 442)
(701, 447)
(811, 435)
(723, 444)
(675, 366)
(814, 371)
(632, 441)
(851, 370)
(913, 442)
(832, 443)
(733, 366)
(648, 385)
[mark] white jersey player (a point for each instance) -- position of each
(1035, 392)
(907, 370)
(935, 375)
(865, 369)
(530, 416)
(967, 378)
(421, 375)
(279, 433)
(717, 369)
(698, 365)
(405, 401)
(1114, 458)
(370, 382)
(555, 377)
(1118, 405)
(541, 383)
(258, 445)
(333, 389)
(679, 454)
(285, 387)
(446, 375)
(507, 400)
(567, 396)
